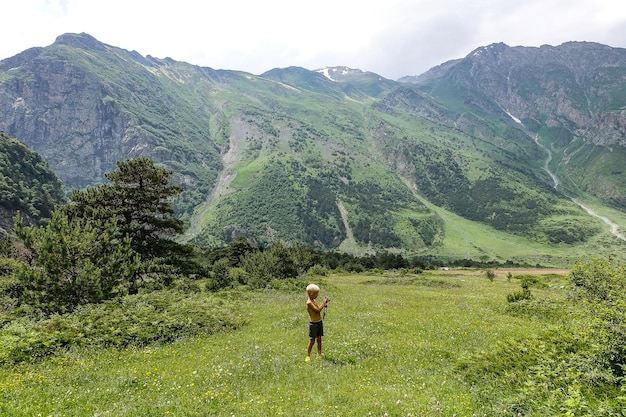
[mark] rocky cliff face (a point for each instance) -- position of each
(62, 112)
(84, 105)
(578, 88)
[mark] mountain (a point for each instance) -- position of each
(454, 163)
(571, 98)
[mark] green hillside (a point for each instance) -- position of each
(27, 184)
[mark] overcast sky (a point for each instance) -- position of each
(392, 38)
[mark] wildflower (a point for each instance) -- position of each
(398, 402)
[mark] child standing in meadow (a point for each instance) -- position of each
(316, 326)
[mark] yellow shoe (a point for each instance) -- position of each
(307, 359)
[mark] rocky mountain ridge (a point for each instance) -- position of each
(578, 93)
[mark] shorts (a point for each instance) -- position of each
(316, 329)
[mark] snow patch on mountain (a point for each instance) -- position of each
(326, 73)
(336, 73)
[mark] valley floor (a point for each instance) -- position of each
(391, 347)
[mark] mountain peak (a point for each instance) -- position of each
(80, 40)
(490, 50)
(337, 73)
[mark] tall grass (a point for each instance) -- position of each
(391, 347)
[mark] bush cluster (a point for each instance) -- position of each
(575, 367)
(136, 320)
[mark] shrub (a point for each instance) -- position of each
(221, 273)
(354, 267)
(318, 270)
(11, 287)
(289, 284)
(599, 280)
(527, 281)
(577, 366)
(154, 274)
(187, 285)
(9, 266)
(23, 340)
(136, 320)
(211, 285)
(263, 267)
(514, 297)
(600, 285)
(490, 275)
(238, 275)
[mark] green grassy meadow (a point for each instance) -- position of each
(392, 346)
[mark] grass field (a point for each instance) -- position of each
(391, 347)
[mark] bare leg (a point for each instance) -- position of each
(310, 347)
(319, 346)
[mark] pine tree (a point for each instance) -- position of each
(75, 262)
(139, 197)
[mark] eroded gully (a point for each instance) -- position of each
(555, 183)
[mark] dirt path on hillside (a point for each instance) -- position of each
(344, 217)
(614, 227)
(546, 165)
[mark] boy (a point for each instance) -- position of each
(316, 327)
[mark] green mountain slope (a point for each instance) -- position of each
(337, 158)
(27, 184)
(570, 97)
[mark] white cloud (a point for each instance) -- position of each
(392, 38)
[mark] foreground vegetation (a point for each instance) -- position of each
(437, 343)
(389, 339)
